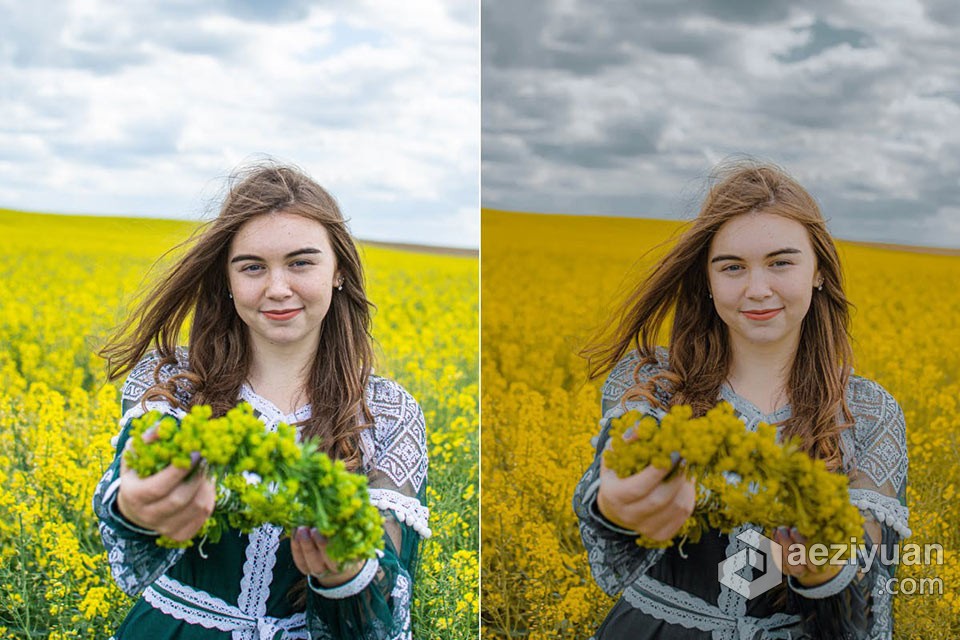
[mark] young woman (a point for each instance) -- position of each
(274, 291)
(760, 320)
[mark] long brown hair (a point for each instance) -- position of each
(219, 351)
(699, 350)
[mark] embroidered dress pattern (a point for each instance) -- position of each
(668, 595)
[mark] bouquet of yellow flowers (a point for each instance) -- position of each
(742, 476)
(262, 477)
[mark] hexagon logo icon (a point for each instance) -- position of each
(760, 557)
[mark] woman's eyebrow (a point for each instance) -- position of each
(769, 255)
(292, 254)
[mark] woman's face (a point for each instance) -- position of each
(762, 272)
(282, 273)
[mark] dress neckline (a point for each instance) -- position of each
(269, 410)
(745, 407)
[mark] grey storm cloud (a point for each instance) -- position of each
(617, 108)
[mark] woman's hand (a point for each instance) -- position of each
(645, 503)
(310, 555)
(807, 574)
(167, 502)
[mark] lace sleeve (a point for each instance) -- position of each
(375, 605)
(855, 603)
(614, 556)
(135, 559)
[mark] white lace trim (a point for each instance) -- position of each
(210, 612)
(401, 595)
(687, 610)
(269, 412)
(189, 614)
(831, 587)
(408, 509)
(353, 586)
(208, 601)
(885, 509)
(730, 603)
(261, 556)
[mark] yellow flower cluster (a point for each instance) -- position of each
(262, 477)
(742, 476)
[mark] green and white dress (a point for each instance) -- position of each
(239, 587)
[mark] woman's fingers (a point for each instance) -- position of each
(174, 501)
(664, 510)
(159, 485)
(632, 488)
(170, 479)
(186, 509)
(788, 539)
(647, 502)
(168, 501)
(663, 497)
(309, 552)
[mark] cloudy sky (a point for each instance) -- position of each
(622, 108)
(143, 108)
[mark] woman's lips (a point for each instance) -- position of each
(286, 314)
(764, 315)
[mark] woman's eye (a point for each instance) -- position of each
(252, 268)
(300, 263)
(732, 267)
(782, 263)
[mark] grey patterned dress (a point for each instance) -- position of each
(669, 594)
(238, 588)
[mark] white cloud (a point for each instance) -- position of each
(132, 109)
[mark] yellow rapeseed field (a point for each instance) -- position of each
(66, 281)
(549, 282)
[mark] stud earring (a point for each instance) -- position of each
(230, 295)
(820, 286)
(340, 286)
(710, 295)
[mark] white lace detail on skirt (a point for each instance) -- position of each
(187, 613)
(885, 509)
(211, 612)
(730, 603)
(679, 607)
(408, 509)
(258, 572)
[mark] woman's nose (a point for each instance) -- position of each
(278, 287)
(758, 285)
